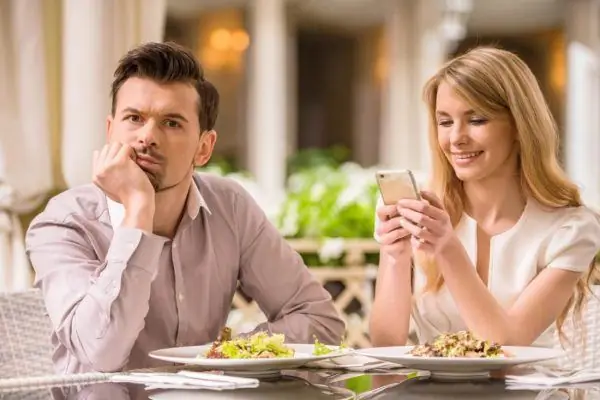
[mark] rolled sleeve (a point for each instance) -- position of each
(97, 306)
(130, 249)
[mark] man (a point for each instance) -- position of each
(150, 255)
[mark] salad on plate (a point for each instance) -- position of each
(459, 344)
(259, 345)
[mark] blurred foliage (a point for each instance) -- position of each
(327, 203)
(221, 164)
(326, 200)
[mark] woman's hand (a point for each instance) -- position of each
(394, 240)
(428, 223)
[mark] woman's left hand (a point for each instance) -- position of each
(427, 222)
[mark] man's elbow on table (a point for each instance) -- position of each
(329, 329)
(106, 356)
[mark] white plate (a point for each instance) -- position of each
(343, 362)
(461, 365)
(194, 355)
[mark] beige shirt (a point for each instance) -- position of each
(115, 293)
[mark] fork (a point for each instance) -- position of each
(558, 374)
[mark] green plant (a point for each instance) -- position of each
(328, 202)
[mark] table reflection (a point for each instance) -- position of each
(300, 385)
(321, 384)
(387, 386)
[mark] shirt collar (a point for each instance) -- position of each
(195, 202)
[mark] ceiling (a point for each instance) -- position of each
(514, 16)
(487, 16)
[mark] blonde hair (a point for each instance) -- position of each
(496, 83)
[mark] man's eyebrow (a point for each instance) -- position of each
(131, 110)
(176, 116)
(168, 115)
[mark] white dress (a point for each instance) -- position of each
(565, 238)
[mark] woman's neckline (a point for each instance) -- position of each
(521, 221)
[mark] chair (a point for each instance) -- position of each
(25, 329)
(583, 349)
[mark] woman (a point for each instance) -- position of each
(502, 244)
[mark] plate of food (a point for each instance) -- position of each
(258, 352)
(460, 354)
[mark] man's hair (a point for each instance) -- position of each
(167, 63)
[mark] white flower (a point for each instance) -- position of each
(349, 195)
(360, 182)
(332, 249)
(317, 191)
(297, 182)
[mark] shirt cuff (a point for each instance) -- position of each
(132, 246)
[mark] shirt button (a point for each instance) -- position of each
(181, 296)
(174, 245)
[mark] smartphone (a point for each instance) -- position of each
(395, 185)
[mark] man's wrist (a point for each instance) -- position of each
(139, 214)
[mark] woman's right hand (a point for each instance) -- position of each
(394, 240)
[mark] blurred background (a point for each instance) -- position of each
(316, 95)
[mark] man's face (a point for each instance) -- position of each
(160, 122)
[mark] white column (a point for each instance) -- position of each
(400, 142)
(292, 86)
(582, 138)
(267, 118)
(431, 55)
(441, 25)
(85, 90)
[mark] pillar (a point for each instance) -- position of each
(267, 100)
(582, 138)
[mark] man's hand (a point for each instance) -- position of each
(117, 174)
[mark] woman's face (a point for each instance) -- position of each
(477, 147)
